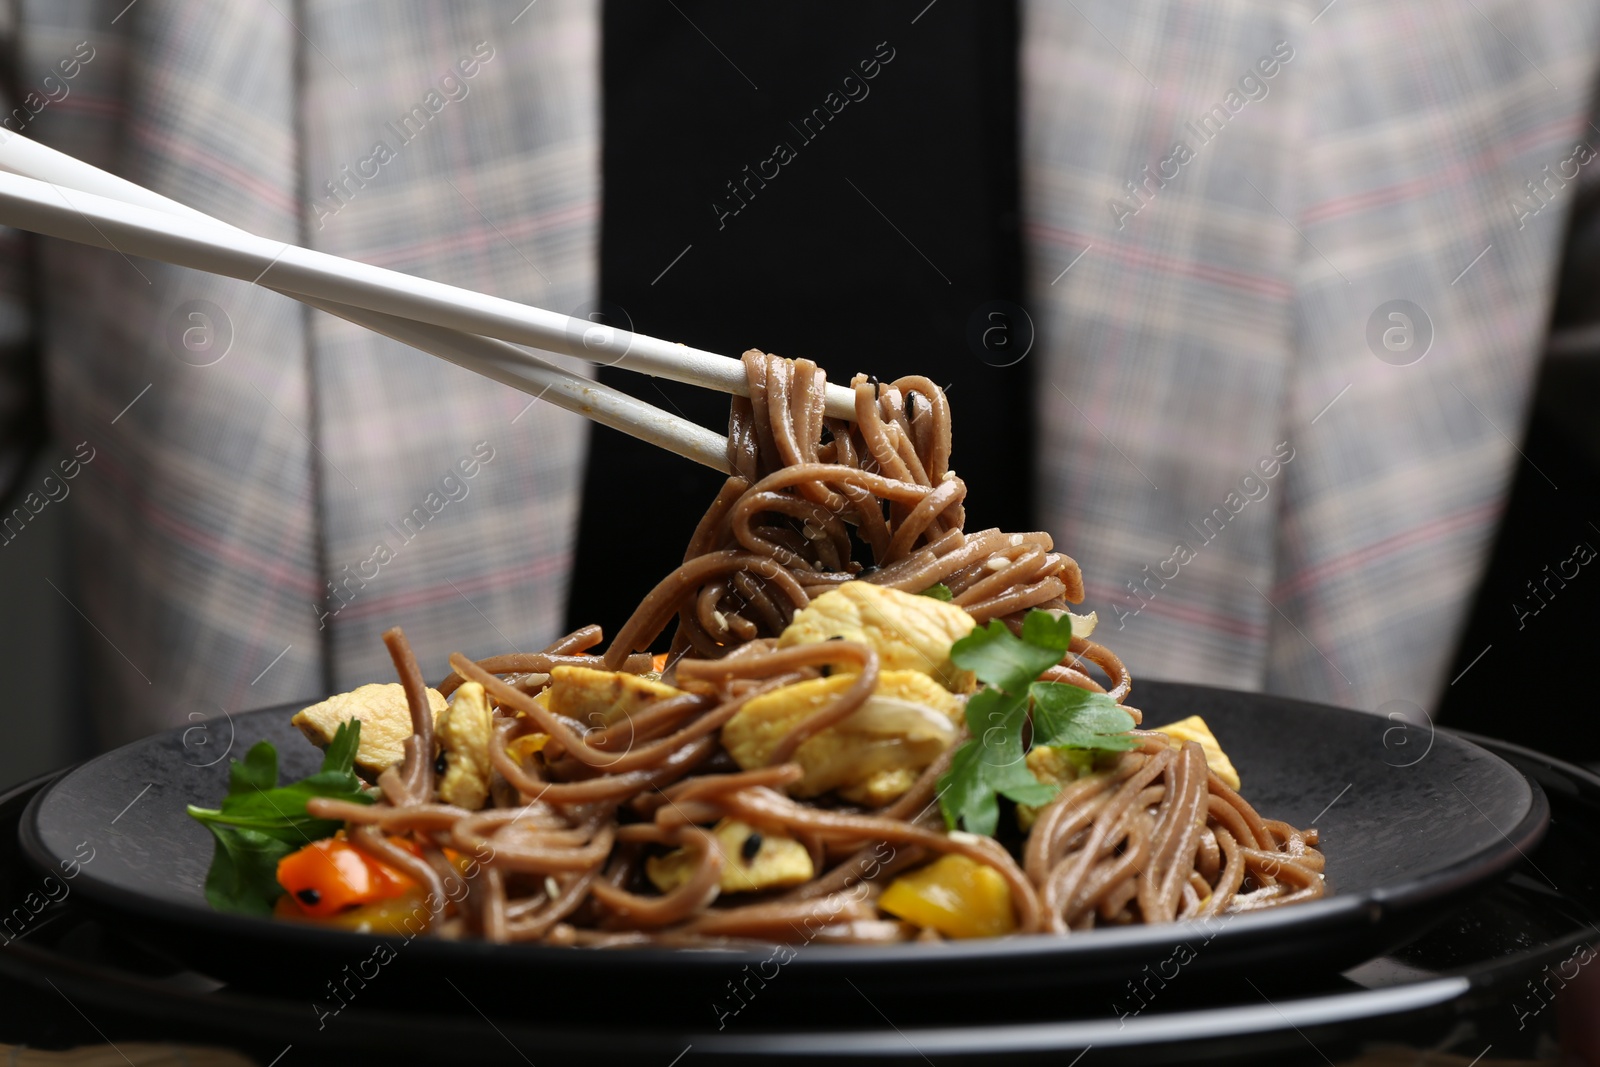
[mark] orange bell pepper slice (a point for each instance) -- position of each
(330, 876)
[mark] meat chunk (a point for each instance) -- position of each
(909, 632)
(751, 861)
(463, 730)
(872, 756)
(385, 723)
(600, 698)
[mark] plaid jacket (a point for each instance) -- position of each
(1222, 198)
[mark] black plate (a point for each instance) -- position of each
(1412, 821)
(1522, 928)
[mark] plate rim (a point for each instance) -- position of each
(1367, 908)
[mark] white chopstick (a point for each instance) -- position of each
(133, 229)
(512, 366)
(498, 360)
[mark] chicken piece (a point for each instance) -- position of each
(464, 729)
(1194, 728)
(881, 786)
(751, 861)
(600, 698)
(908, 631)
(1058, 766)
(871, 757)
(385, 723)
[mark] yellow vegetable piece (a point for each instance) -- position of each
(527, 745)
(957, 896)
(1194, 728)
(772, 862)
(909, 632)
(871, 757)
(405, 915)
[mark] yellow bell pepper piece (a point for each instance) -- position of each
(1194, 728)
(527, 745)
(403, 916)
(957, 896)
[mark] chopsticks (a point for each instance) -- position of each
(52, 193)
(73, 182)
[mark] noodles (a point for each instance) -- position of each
(782, 524)
(630, 815)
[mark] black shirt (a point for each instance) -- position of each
(834, 181)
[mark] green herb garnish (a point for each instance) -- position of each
(939, 591)
(990, 765)
(260, 822)
(1065, 716)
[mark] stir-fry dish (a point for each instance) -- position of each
(868, 725)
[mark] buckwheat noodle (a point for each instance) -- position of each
(814, 502)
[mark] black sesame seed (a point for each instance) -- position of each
(308, 896)
(440, 765)
(751, 846)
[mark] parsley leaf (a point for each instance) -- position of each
(1005, 661)
(341, 754)
(258, 770)
(1047, 631)
(259, 822)
(991, 764)
(965, 793)
(939, 591)
(1065, 716)
(244, 871)
(995, 719)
